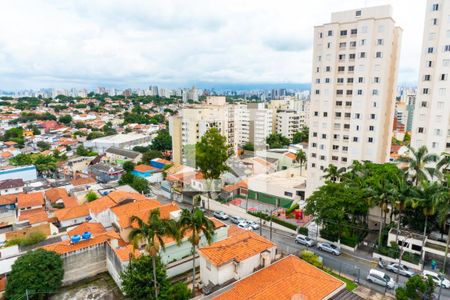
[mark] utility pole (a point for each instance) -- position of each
(401, 255)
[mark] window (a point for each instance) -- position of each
(372, 116)
(351, 68)
(429, 64)
(317, 69)
(289, 194)
(328, 45)
(370, 140)
(376, 79)
(355, 139)
(427, 77)
(362, 55)
(325, 114)
(354, 31)
(324, 136)
(437, 132)
(335, 147)
(336, 136)
(327, 80)
(340, 80)
(379, 54)
(430, 50)
(318, 80)
(341, 56)
(316, 114)
(351, 56)
(353, 44)
(425, 91)
(345, 148)
(349, 80)
(347, 115)
(434, 21)
(443, 76)
(361, 79)
(330, 32)
(327, 69)
(344, 159)
(339, 92)
(341, 69)
(320, 35)
(317, 92)
(338, 103)
(357, 116)
(371, 128)
(349, 92)
(359, 92)
(381, 28)
(313, 165)
(334, 157)
(343, 32)
(423, 104)
(348, 103)
(446, 48)
(374, 92)
(435, 7)
(358, 13)
(420, 130)
(342, 45)
(380, 42)
(338, 114)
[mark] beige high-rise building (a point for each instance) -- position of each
(431, 122)
(355, 64)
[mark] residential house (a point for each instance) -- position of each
(11, 186)
(28, 205)
(234, 258)
(287, 279)
(105, 173)
(118, 156)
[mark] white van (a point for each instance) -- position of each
(380, 278)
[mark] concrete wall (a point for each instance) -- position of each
(71, 222)
(84, 264)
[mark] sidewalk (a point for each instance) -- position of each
(369, 294)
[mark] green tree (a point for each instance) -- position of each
(149, 155)
(21, 159)
(91, 196)
(94, 135)
(197, 225)
(140, 185)
(163, 141)
(300, 157)
(126, 178)
(39, 272)
(82, 151)
(301, 136)
(128, 166)
(416, 288)
(43, 145)
(249, 147)
(333, 173)
(67, 119)
(276, 140)
(152, 234)
(211, 154)
(417, 164)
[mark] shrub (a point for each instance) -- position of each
(32, 239)
(311, 258)
(303, 230)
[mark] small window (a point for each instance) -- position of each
(430, 50)
(434, 21)
(429, 64)
(289, 194)
(343, 32)
(420, 130)
(425, 91)
(370, 140)
(380, 42)
(379, 54)
(446, 48)
(427, 77)
(362, 54)
(435, 7)
(358, 13)
(330, 32)
(443, 77)
(371, 128)
(354, 31)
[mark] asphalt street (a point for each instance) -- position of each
(346, 264)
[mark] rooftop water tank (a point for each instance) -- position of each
(75, 239)
(86, 235)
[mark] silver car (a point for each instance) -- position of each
(400, 269)
(220, 215)
(380, 278)
(304, 240)
(438, 279)
(253, 225)
(330, 248)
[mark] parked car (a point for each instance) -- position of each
(220, 215)
(236, 220)
(304, 240)
(400, 269)
(244, 225)
(380, 278)
(438, 279)
(253, 225)
(330, 248)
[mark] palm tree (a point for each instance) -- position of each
(197, 225)
(425, 197)
(300, 157)
(443, 199)
(400, 191)
(417, 164)
(333, 173)
(152, 233)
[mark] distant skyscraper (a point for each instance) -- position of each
(354, 78)
(432, 111)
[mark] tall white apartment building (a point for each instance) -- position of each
(260, 124)
(432, 109)
(288, 122)
(354, 77)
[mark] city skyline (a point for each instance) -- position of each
(124, 44)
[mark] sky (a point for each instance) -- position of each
(136, 43)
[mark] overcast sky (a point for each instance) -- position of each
(59, 43)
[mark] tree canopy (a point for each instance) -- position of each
(276, 140)
(163, 141)
(416, 288)
(39, 271)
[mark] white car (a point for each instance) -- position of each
(220, 215)
(380, 278)
(438, 279)
(253, 225)
(244, 225)
(400, 269)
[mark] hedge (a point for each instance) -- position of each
(284, 223)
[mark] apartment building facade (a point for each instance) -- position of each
(431, 123)
(288, 122)
(355, 64)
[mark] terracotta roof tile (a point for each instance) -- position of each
(82, 181)
(286, 279)
(94, 228)
(55, 194)
(100, 204)
(38, 217)
(236, 248)
(72, 212)
(144, 168)
(8, 199)
(26, 214)
(123, 253)
(119, 196)
(30, 200)
(138, 208)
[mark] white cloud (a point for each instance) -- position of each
(135, 43)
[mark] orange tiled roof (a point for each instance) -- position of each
(72, 212)
(26, 214)
(123, 253)
(236, 248)
(30, 200)
(55, 194)
(5, 154)
(67, 247)
(38, 217)
(81, 181)
(144, 168)
(10, 143)
(119, 196)
(2, 283)
(290, 155)
(93, 228)
(70, 202)
(138, 208)
(100, 204)
(8, 199)
(283, 280)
